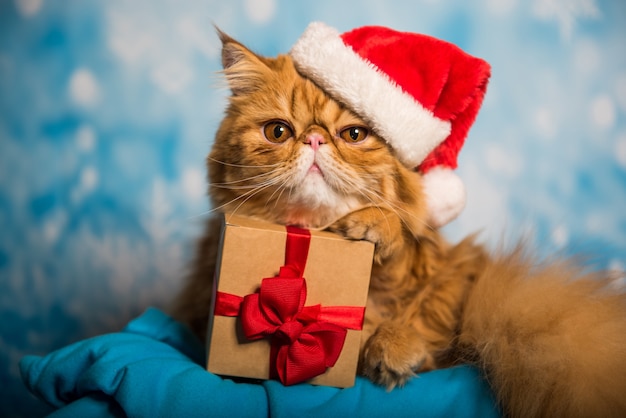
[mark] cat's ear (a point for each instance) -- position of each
(244, 70)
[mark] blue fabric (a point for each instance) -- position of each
(154, 368)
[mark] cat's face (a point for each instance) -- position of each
(287, 153)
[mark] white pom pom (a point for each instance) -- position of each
(445, 195)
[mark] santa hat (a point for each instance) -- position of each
(419, 93)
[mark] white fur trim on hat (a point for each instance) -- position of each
(445, 195)
(412, 130)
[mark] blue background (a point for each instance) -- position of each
(108, 108)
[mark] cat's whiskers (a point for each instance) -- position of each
(251, 195)
(246, 197)
(232, 185)
(279, 178)
(399, 210)
(225, 204)
(348, 185)
(375, 204)
(280, 189)
(278, 164)
(402, 213)
(374, 197)
(254, 190)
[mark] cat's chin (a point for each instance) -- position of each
(296, 213)
(314, 204)
(312, 219)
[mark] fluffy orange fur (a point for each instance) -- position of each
(550, 341)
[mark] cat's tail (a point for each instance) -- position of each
(551, 340)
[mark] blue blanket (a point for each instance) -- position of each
(154, 368)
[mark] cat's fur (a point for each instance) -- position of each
(551, 341)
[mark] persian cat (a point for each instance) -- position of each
(550, 339)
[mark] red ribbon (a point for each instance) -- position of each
(305, 340)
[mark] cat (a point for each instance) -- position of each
(550, 339)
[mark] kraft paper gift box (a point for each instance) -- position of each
(288, 304)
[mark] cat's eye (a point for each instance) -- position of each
(277, 131)
(354, 134)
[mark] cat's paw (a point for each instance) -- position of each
(377, 225)
(394, 354)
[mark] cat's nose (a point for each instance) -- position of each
(314, 140)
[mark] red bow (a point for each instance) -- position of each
(305, 340)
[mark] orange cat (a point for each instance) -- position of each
(551, 341)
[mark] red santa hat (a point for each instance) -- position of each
(419, 93)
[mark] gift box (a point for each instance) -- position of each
(288, 304)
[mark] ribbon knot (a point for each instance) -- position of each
(302, 346)
(289, 332)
